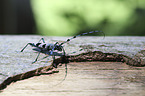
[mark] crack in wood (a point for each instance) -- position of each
(84, 57)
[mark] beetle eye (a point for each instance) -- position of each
(44, 45)
(38, 44)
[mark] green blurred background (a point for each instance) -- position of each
(70, 17)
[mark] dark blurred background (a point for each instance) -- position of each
(16, 17)
(63, 17)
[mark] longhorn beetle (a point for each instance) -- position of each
(50, 49)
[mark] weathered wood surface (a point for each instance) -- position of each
(84, 79)
(17, 66)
